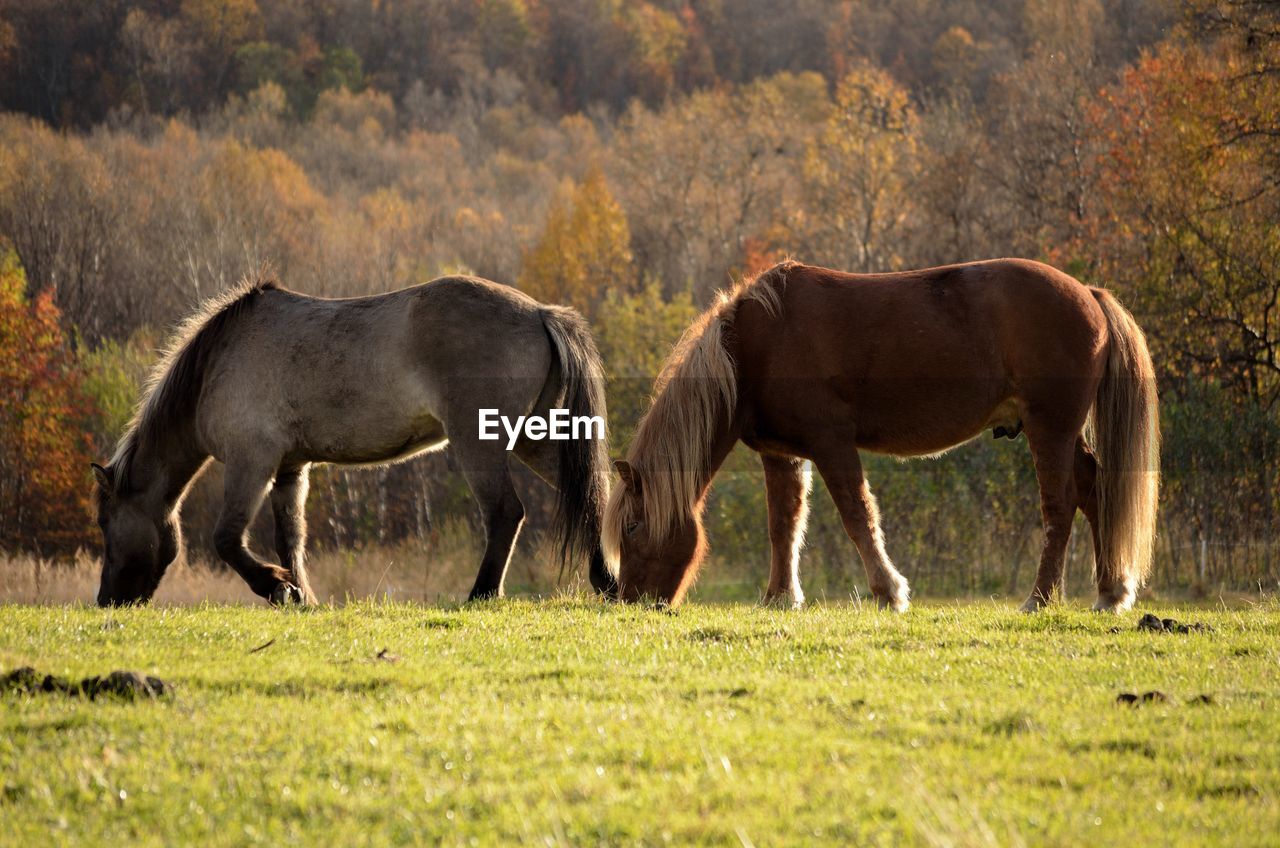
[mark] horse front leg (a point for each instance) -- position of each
(861, 518)
(245, 489)
(288, 508)
(787, 484)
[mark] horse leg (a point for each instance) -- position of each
(543, 458)
(486, 471)
(1055, 460)
(245, 490)
(787, 483)
(861, 517)
(288, 508)
(1113, 595)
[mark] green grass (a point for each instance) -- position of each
(576, 722)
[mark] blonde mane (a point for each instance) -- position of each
(694, 392)
(173, 385)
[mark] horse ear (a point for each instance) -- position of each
(103, 475)
(630, 478)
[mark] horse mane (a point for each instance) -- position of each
(696, 387)
(173, 385)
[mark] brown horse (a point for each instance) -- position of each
(805, 363)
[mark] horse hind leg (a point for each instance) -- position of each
(487, 473)
(1054, 456)
(787, 485)
(1115, 594)
(861, 518)
(288, 508)
(245, 489)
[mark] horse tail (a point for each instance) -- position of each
(1124, 432)
(582, 481)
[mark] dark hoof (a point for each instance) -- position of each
(285, 595)
(607, 589)
(484, 595)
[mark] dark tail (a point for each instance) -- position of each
(1125, 434)
(582, 479)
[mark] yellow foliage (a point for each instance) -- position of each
(636, 333)
(585, 249)
(858, 169)
(224, 23)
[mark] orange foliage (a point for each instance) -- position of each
(1187, 211)
(44, 443)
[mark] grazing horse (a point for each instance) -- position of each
(805, 363)
(269, 381)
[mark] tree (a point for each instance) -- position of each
(705, 176)
(956, 220)
(584, 250)
(58, 208)
(159, 60)
(637, 332)
(220, 27)
(114, 373)
(44, 438)
(1187, 226)
(857, 173)
(1201, 250)
(1040, 144)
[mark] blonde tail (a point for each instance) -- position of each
(1124, 433)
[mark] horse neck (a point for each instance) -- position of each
(165, 468)
(717, 452)
(725, 435)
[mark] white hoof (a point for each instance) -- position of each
(784, 600)
(897, 598)
(1113, 604)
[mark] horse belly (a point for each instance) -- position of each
(373, 442)
(379, 421)
(928, 420)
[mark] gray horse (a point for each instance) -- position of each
(269, 381)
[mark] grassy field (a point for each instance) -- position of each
(576, 722)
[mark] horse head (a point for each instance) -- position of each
(655, 563)
(140, 539)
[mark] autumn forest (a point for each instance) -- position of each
(630, 158)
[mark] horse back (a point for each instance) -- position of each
(912, 362)
(365, 379)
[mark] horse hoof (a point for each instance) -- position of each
(895, 597)
(783, 600)
(607, 589)
(286, 594)
(898, 604)
(1113, 605)
(1035, 603)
